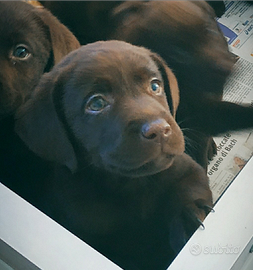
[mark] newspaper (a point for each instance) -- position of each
(234, 149)
(237, 26)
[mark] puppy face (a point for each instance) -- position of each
(27, 50)
(110, 99)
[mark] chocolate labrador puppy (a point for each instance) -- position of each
(32, 40)
(186, 35)
(105, 116)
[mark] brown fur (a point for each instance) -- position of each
(122, 182)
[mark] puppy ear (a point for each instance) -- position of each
(38, 125)
(62, 40)
(170, 83)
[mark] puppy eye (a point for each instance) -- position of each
(21, 52)
(155, 86)
(96, 104)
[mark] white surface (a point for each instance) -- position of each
(41, 240)
(227, 232)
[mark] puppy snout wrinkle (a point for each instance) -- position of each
(156, 130)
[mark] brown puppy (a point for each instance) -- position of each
(32, 40)
(122, 182)
(186, 35)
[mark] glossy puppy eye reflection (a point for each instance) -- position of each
(21, 52)
(155, 86)
(96, 104)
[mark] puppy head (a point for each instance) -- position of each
(31, 42)
(108, 100)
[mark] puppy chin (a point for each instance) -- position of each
(152, 167)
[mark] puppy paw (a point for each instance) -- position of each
(194, 214)
(183, 226)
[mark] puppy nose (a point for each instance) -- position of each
(157, 130)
